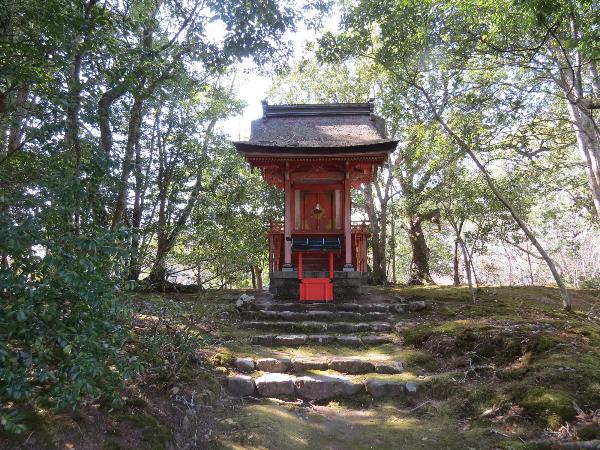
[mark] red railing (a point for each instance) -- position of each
(360, 235)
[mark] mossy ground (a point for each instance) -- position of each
(495, 374)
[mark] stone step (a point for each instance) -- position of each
(353, 366)
(393, 307)
(338, 307)
(317, 315)
(295, 340)
(316, 326)
(314, 387)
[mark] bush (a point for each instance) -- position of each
(61, 313)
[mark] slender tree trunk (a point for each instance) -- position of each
(133, 138)
(253, 275)
(455, 265)
(378, 236)
(393, 246)
(419, 265)
(258, 274)
(464, 146)
(136, 217)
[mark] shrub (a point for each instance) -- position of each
(61, 313)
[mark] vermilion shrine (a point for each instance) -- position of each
(316, 154)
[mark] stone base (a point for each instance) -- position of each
(346, 285)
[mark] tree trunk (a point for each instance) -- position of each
(378, 236)
(419, 265)
(133, 136)
(455, 264)
(253, 275)
(259, 281)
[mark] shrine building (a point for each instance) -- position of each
(316, 154)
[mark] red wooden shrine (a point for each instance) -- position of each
(316, 154)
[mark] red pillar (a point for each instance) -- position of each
(287, 226)
(347, 222)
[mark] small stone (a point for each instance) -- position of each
(399, 308)
(275, 384)
(349, 340)
(351, 365)
(244, 364)
(274, 365)
(384, 388)
(381, 326)
(313, 326)
(291, 340)
(376, 339)
(245, 302)
(267, 340)
(417, 305)
(411, 387)
(362, 327)
(388, 367)
(174, 390)
(300, 365)
(185, 424)
(321, 338)
(241, 385)
(320, 387)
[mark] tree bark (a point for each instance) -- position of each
(253, 276)
(419, 265)
(378, 236)
(455, 265)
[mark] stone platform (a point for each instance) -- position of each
(346, 285)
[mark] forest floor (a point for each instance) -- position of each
(512, 371)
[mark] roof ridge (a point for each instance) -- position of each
(319, 109)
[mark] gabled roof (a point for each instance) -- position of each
(318, 128)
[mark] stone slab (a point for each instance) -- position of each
(267, 340)
(275, 365)
(376, 339)
(275, 385)
(302, 364)
(349, 340)
(321, 387)
(384, 388)
(291, 340)
(388, 367)
(351, 365)
(321, 338)
(240, 385)
(244, 364)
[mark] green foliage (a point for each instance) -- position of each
(61, 317)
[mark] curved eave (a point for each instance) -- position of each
(352, 150)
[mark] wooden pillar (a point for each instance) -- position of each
(287, 227)
(347, 221)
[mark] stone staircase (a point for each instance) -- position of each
(331, 327)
